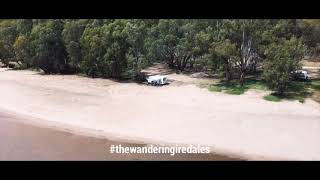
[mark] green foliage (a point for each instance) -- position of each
(49, 52)
(92, 50)
(8, 34)
(175, 42)
(120, 48)
(71, 34)
(114, 50)
(115, 41)
(22, 51)
(24, 26)
(282, 58)
(311, 36)
(226, 54)
(22, 44)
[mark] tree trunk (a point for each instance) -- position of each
(227, 72)
(255, 68)
(242, 75)
(191, 64)
(280, 92)
(171, 62)
(184, 63)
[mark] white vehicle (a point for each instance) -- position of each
(300, 74)
(157, 80)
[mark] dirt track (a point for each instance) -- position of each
(244, 125)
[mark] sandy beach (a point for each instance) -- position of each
(181, 112)
(21, 140)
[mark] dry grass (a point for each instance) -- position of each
(315, 85)
(316, 96)
(311, 63)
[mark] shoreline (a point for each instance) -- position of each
(102, 135)
(75, 132)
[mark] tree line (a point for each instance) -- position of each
(120, 48)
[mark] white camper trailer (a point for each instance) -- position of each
(157, 80)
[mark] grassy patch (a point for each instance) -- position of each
(272, 98)
(214, 88)
(233, 87)
(297, 90)
(276, 98)
(206, 83)
(236, 90)
(256, 84)
(315, 86)
(300, 90)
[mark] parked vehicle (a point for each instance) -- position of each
(157, 80)
(300, 75)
